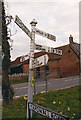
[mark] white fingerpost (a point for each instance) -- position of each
(30, 87)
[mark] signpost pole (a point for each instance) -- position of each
(46, 82)
(45, 72)
(30, 86)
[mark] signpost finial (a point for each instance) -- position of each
(33, 22)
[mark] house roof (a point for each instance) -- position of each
(18, 62)
(74, 46)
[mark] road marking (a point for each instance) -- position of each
(20, 88)
(16, 96)
(27, 94)
(71, 79)
(43, 91)
(70, 86)
(27, 87)
(65, 87)
(43, 84)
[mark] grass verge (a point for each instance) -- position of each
(66, 102)
(18, 81)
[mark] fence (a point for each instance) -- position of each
(20, 76)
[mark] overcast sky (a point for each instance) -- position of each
(58, 18)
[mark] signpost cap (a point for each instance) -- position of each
(33, 22)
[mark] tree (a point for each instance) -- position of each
(7, 91)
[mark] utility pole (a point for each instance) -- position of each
(30, 87)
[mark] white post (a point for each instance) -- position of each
(30, 87)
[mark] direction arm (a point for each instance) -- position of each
(44, 34)
(22, 26)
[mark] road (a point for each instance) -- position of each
(52, 84)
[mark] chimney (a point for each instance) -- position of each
(70, 39)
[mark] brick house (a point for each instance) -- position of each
(67, 64)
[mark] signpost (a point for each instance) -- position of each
(39, 47)
(33, 63)
(22, 26)
(54, 50)
(23, 58)
(44, 34)
(48, 49)
(40, 61)
(46, 112)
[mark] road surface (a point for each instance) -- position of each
(52, 84)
